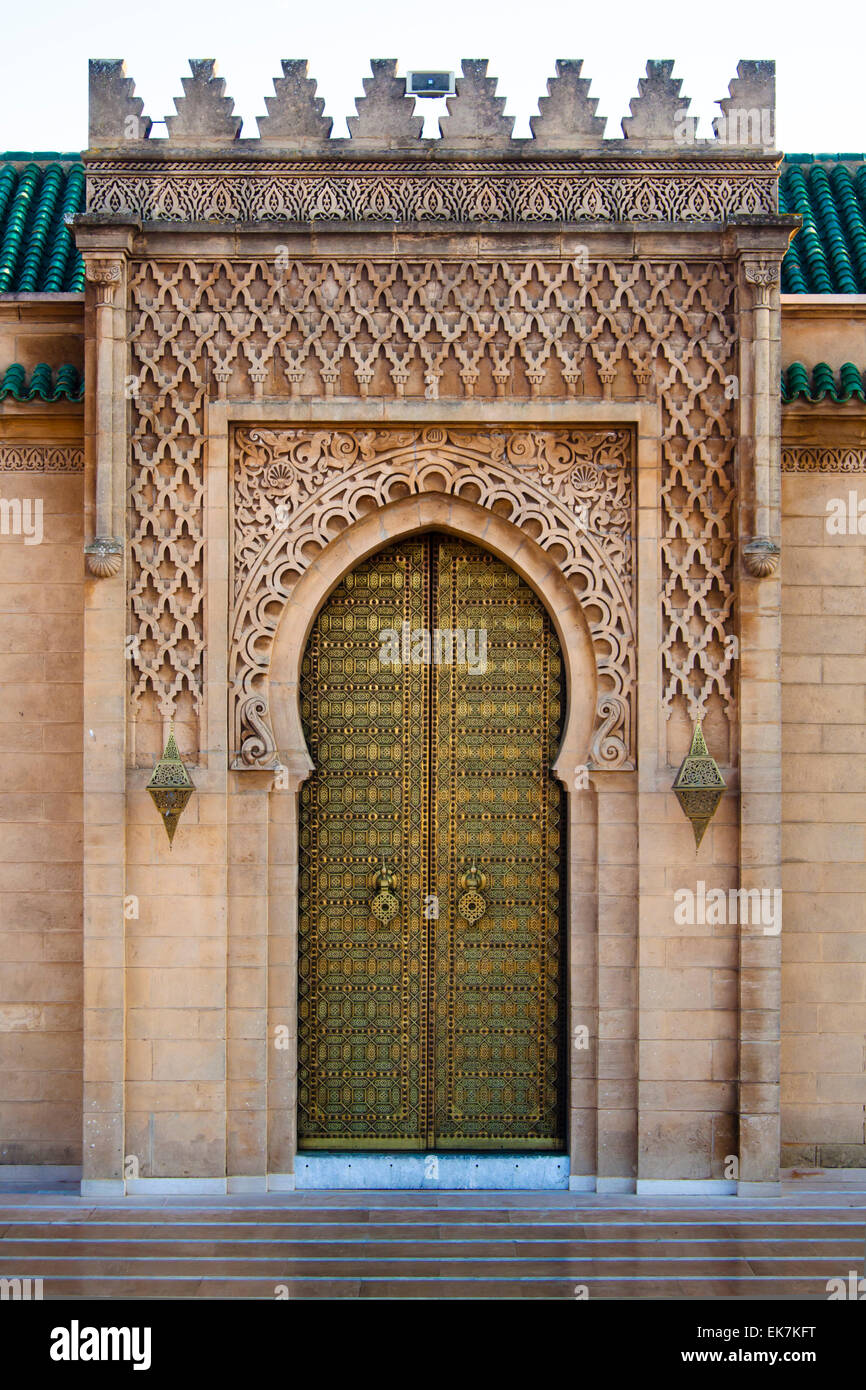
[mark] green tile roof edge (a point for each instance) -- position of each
(37, 250)
(46, 156)
(63, 383)
(822, 383)
(798, 382)
(823, 158)
(39, 189)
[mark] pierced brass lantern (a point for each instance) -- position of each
(699, 785)
(171, 787)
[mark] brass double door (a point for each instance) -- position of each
(431, 994)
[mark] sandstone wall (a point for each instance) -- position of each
(41, 815)
(824, 831)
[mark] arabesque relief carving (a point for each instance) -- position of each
(572, 491)
(431, 329)
(803, 458)
(629, 191)
(41, 458)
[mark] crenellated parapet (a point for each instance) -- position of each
(294, 170)
(386, 116)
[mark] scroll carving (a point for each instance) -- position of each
(295, 490)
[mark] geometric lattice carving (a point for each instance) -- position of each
(698, 505)
(432, 329)
(295, 489)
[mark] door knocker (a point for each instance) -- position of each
(471, 904)
(384, 903)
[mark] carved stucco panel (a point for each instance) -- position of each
(669, 192)
(431, 329)
(572, 491)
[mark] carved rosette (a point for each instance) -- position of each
(570, 490)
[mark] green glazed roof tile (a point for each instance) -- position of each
(46, 384)
(828, 254)
(39, 191)
(37, 253)
(823, 384)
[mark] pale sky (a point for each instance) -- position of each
(819, 52)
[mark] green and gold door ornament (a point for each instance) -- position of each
(472, 905)
(171, 787)
(699, 785)
(384, 903)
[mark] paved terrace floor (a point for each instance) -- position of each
(439, 1244)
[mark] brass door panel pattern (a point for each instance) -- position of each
(431, 979)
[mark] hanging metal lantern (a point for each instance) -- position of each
(699, 785)
(171, 787)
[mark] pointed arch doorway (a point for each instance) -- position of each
(431, 995)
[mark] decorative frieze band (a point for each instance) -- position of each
(243, 192)
(40, 458)
(806, 459)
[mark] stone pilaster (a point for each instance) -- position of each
(105, 675)
(760, 724)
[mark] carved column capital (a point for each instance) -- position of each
(106, 276)
(762, 276)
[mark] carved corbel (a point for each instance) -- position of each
(761, 554)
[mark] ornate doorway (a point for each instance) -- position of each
(431, 959)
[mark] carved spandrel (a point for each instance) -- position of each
(295, 489)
